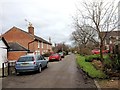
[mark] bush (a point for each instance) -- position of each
(90, 58)
(47, 54)
(85, 51)
(107, 62)
(89, 68)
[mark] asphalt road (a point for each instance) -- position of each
(59, 74)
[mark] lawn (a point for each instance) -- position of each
(89, 68)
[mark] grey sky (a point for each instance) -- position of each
(50, 18)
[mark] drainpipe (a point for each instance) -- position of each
(30, 43)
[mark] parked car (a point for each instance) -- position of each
(61, 54)
(54, 57)
(30, 63)
(97, 51)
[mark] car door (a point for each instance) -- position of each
(40, 60)
(44, 61)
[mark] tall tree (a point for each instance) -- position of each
(83, 34)
(102, 16)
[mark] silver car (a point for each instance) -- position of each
(29, 63)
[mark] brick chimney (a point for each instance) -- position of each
(31, 29)
(49, 39)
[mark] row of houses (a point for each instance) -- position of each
(111, 40)
(17, 42)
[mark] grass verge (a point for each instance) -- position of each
(89, 68)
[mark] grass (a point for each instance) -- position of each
(89, 68)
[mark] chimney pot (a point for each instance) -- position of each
(31, 30)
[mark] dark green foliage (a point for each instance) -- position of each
(107, 62)
(90, 58)
(47, 54)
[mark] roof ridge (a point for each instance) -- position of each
(33, 36)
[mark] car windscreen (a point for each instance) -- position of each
(25, 59)
(54, 54)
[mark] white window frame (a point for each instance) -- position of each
(38, 44)
(42, 45)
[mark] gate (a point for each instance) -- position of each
(8, 68)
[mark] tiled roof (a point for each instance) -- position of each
(36, 37)
(14, 46)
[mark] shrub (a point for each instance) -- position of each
(47, 54)
(89, 68)
(90, 58)
(85, 51)
(107, 62)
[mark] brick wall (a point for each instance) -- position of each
(16, 35)
(14, 55)
(23, 38)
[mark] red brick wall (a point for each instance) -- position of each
(14, 55)
(16, 35)
(23, 38)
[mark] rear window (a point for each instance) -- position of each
(54, 54)
(25, 59)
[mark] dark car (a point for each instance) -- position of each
(61, 54)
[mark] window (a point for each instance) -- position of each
(25, 59)
(42, 44)
(40, 57)
(38, 44)
(47, 46)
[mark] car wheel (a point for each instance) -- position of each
(16, 73)
(46, 65)
(40, 69)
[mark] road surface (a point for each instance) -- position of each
(59, 74)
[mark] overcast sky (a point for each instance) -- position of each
(50, 18)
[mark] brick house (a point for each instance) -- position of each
(27, 40)
(111, 39)
(16, 50)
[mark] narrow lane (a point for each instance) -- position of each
(61, 74)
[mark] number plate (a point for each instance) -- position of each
(24, 64)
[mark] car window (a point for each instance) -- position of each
(54, 54)
(25, 59)
(40, 58)
(43, 58)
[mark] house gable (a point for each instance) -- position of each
(18, 35)
(26, 39)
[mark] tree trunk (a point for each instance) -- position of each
(101, 48)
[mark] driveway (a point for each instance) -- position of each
(59, 74)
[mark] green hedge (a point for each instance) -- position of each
(89, 68)
(89, 58)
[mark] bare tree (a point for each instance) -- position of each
(83, 33)
(102, 17)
